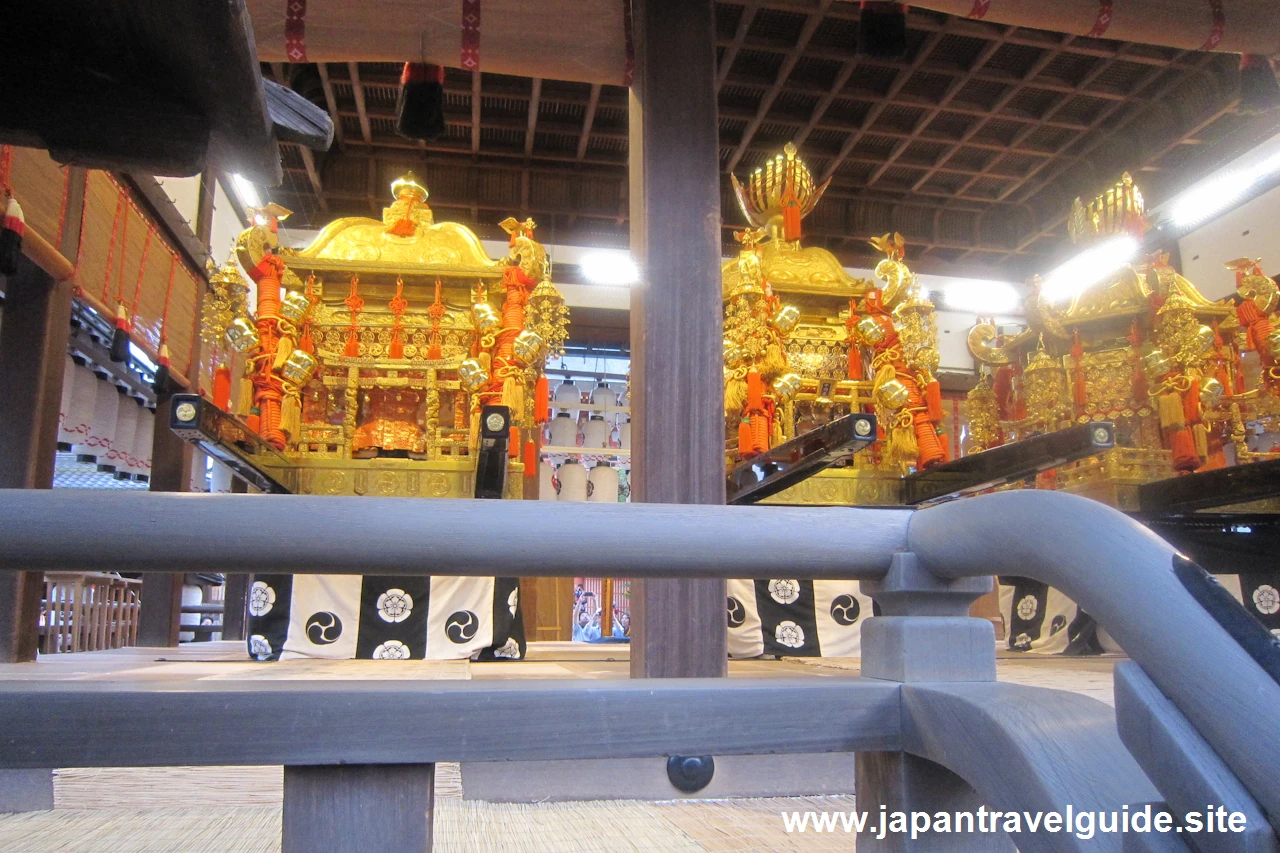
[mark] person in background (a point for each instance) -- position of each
(586, 626)
(622, 625)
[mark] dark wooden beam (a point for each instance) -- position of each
(357, 91)
(388, 722)
(588, 119)
(784, 73)
(331, 102)
(954, 88)
(33, 353)
(535, 100)
(824, 103)
(383, 807)
(676, 323)
(309, 163)
(739, 36)
(874, 113)
(476, 100)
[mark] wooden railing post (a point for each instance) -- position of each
(345, 807)
(925, 634)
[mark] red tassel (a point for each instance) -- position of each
(755, 391)
(530, 459)
(352, 349)
(396, 349)
(791, 222)
(855, 360)
(254, 420)
(433, 351)
(1191, 404)
(541, 401)
(222, 387)
(744, 438)
(933, 401)
(1183, 445)
(1002, 385)
(513, 443)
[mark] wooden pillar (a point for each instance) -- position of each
(235, 595)
(33, 350)
(334, 809)
(677, 411)
(171, 460)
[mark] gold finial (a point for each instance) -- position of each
(409, 186)
(1118, 209)
(783, 178)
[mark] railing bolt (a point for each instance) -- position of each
(690, 773)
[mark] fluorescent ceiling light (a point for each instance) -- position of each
(1088, 268)
(976, 296)
(246, 191)
(1219, 193)
(614, 269)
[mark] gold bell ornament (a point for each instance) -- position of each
(294, 306)
(472, 376)
(242, 336)
(786, 319)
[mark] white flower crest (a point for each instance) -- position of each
(395, 605)
(1266, 599)
(1022, 642)
(513, 599)
(391, 650)
(1275, 632)
(259, 647)
(784, 591)
(510, 650)
(1027, 607)
(261, 598)
(789, 634)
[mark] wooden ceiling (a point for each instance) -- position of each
(972, 145)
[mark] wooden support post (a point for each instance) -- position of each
(171, 460)
(335, 809)
(924, 635)
(235, 596)
(33, 349)
(678, 626)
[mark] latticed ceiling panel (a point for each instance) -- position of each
(981, 130)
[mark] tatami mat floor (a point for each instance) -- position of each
(237, 809)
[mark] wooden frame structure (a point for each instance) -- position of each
(925, 721)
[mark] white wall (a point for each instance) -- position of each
(185, 195)
(1251, 230)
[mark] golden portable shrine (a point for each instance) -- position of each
(1179, 375)
(805, 342)
(369, 354)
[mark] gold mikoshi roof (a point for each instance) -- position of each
(811, 270)
(357, 244)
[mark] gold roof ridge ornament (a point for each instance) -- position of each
(1120, 209)
(779, 194)
(408, 185)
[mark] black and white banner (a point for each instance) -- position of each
(796, 618)
(1042, 620)
(400, 617)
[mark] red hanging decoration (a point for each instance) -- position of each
(1002, 385)
(120, 335)
(541, 401)
(933, 402)
(855, 349)
(222, 387)
(436, 312)
(398, 305)
(355, 305)
(305, 342)
(1079, 393)
(419, 111)
(530, 458)
(513, 444)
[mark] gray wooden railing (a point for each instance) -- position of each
(931, 729)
